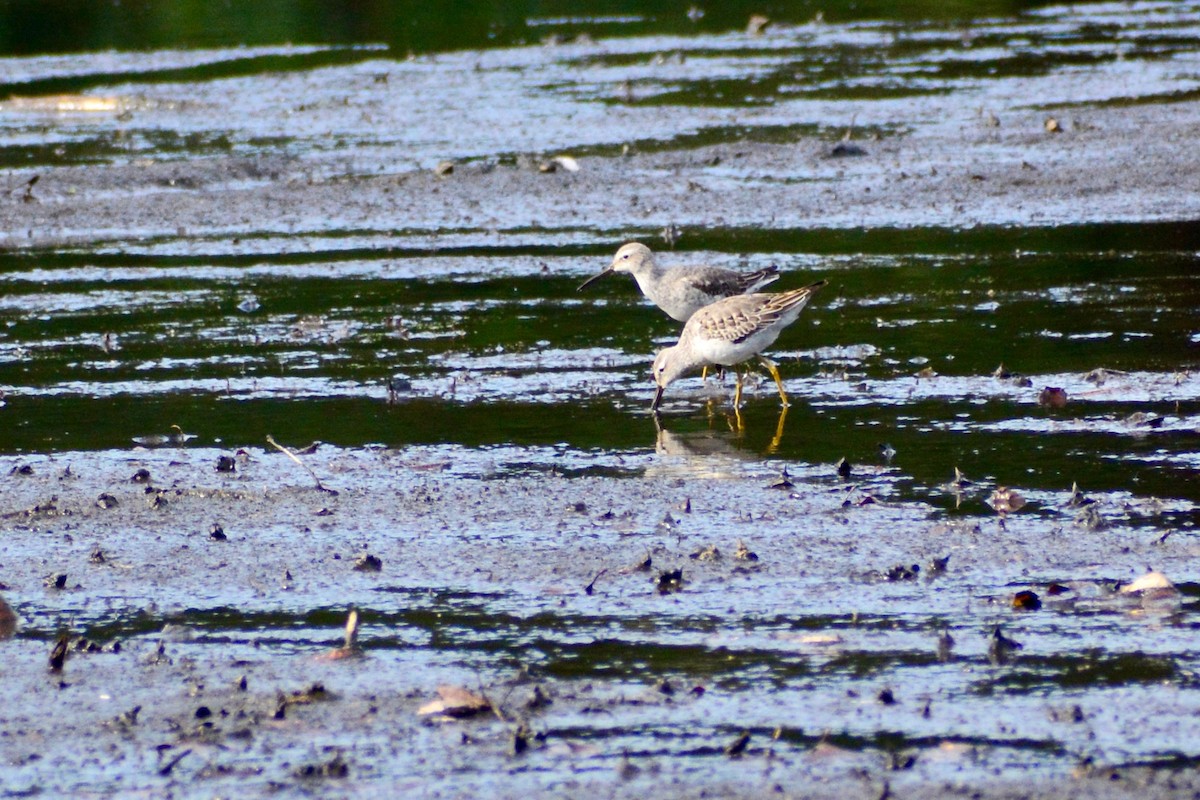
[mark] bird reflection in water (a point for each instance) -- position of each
(715, 442)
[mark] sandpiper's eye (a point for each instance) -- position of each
(625, 257)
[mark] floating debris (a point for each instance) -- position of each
(1001, 648)
(1078, 499)
(456, 702)
(368, 563)
(226, 464)
(738, 746)
(58, 654)
(901, 572)
(1052, 397)
(945, 646)
(566, 162)
(757, 24)
(1100, 375)
(784, 482)
(538, 700)
(1052, 125)
(444, 168)
(520, 740)
(217, 533)
(670, 581)
(27, 195)
(709, 553)
(174, 762)
(176, 436)
(1153, 581)
(335, 767)
(846, 148)
(1026, 601)
(349, 648)
(1006, 501)
(69, 103)
(106, 500)
(743, 553)
(843, 469)
(1091, 518)
(591, 587)
(292, 455)
(8, 620)
(1143, 419)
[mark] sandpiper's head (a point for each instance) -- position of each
(632, 257)
(668, 365)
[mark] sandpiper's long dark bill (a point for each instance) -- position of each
(594, 278)
(682, 291)
(730, 332)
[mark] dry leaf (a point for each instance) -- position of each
(8, 620)
(1026, 601)
(1052, 397)
(1005, 500)
(67, 103)
(1151, 581)
(455, 701)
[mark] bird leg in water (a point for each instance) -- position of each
(771, 368)
(737, 394)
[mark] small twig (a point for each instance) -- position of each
(271, 441)
(166, 770)
(29, 184)
(592, 586)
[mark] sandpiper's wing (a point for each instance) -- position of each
(718, 282)
(737, 318)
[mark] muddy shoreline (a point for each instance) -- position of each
(201, 680)
(1111, 164)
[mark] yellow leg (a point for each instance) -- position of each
(771, 368)
(737, 394)
(704, 374)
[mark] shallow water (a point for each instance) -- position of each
(486, 428)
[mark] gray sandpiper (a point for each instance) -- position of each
(684, 290)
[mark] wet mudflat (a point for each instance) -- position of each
(919, 580)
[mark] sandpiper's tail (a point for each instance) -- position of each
(794, 300)
(749, 282)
